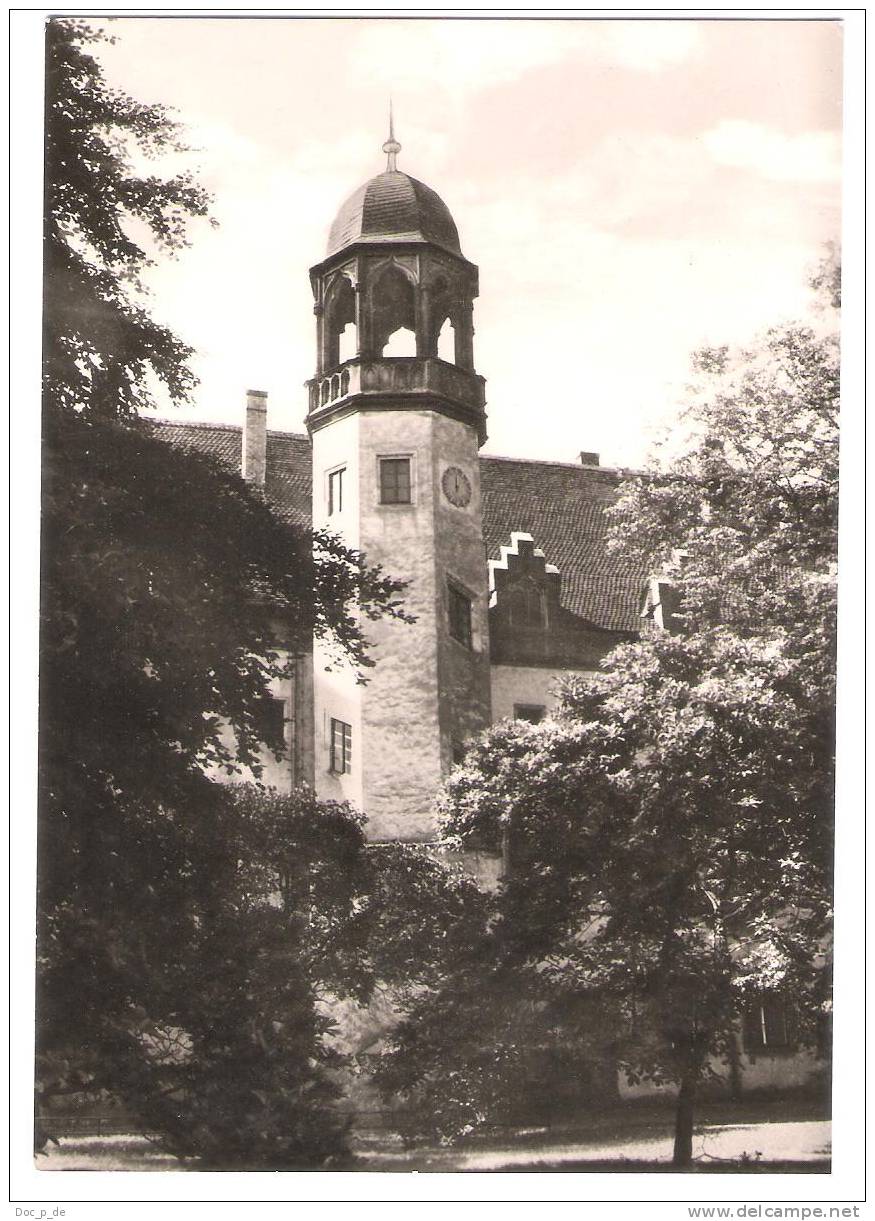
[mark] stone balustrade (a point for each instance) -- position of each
(396, 375)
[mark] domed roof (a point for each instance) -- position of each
(393, 207)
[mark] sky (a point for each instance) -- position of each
(630, 190)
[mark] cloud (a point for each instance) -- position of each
(469, 56)
(651, 45)
(809, 156)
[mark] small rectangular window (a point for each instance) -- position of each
(460, 616)
(341, 746)
(395, 481)
(533, 713)
(458, 754)
(335, 491)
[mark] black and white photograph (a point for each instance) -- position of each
(435, 577)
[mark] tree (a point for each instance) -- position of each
(669, 832)
(239, 1063)
(167, 585)
(104, 224)
(229, 1061)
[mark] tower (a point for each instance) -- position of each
(395, 436)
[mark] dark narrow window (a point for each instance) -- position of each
(533, 713)
(335, 491)
(275, 715)
(458, 754)
(768, 1024)
(395, 481)
(460, 616)
(341, 746)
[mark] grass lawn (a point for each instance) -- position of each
(770, 1135)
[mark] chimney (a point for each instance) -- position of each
(588, 458)
(255, 437)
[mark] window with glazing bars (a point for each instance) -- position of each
(395, 481)
(335, 491)
(341, 746)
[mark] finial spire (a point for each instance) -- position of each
(391, 148)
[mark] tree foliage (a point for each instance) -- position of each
(668, 834)
(200, 1005)
(745, 521)
(104, 224)
(168, 977)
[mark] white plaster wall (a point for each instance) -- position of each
(400, 742)
(780, 1071)
(527, 685)
(335, 696)
(334, 446)
(776, 1071)
(336, 693)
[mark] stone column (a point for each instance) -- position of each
(464, 327)
(362, 335)
(422, 320)
(320, 338)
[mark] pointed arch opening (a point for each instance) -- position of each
(339, 324)
(394, 313)
(400, 343)
(446, 341)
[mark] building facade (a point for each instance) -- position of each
(507, 578)
(509, 581)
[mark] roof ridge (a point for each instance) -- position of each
(191, 424)
(204, 424)
(572, 466)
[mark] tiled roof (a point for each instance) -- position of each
(394, 207)
(561, 505)
(288, 482)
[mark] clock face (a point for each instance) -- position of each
(457, 487)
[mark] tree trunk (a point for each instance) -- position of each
(683, 1125)
(736, 1088)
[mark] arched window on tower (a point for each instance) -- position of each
(340, 332)
(394, 315)
(525, 605)
(446, 343)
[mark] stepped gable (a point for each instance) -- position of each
(288, 481)
(562, 506)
